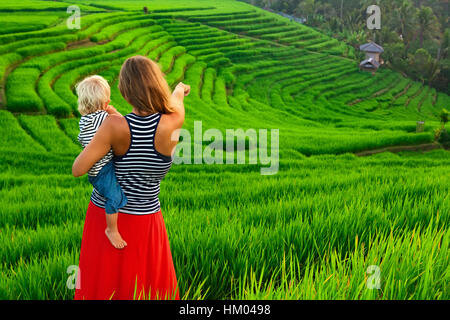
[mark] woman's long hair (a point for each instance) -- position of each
(142, 84)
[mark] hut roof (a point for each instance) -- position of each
(371, 47)
(370, 64)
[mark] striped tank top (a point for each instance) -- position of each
(89, 124)
(140, 171)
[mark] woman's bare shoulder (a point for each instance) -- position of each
(115, 123)
(166, 136)
(116, 128)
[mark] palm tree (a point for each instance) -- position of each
(404, 16)
(434, 68)
(427, 23)
(445, 45)
(307, 9)
(326, 10)
(425, 67)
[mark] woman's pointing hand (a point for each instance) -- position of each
(186, 89)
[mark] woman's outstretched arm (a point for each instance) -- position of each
(167, 134)
(177, 117)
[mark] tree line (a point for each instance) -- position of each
(414, 33)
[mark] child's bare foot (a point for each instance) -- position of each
(115, 238)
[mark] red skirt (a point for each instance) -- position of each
(142, 270)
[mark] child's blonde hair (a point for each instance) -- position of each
(93, 93)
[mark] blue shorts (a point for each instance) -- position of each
(106, 184)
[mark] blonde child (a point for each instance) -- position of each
(93, 104)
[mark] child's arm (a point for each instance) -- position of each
(94, 151)
(111, 110)
(99, 146)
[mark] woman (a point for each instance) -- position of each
(143, 143)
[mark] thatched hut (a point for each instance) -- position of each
(373, 59)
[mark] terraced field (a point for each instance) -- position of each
(309, 231)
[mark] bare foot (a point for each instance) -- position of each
(115, 238)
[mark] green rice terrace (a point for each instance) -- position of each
(308, 232)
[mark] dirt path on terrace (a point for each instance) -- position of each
(420, 147)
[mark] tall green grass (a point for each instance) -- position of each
(45, 130)
(309, 232)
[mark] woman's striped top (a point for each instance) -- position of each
(89, 125)
(140, 171)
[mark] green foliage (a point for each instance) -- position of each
(21, 92)
(413, 33)
(167, 59)
(71, 128)
(178, 69)
(109, 32)
(334, 202)
(444, 116)
(46, 131)
(8, 59)
(14, 138)
(444, 137)
(40, 49)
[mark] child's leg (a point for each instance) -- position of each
(112, 232)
